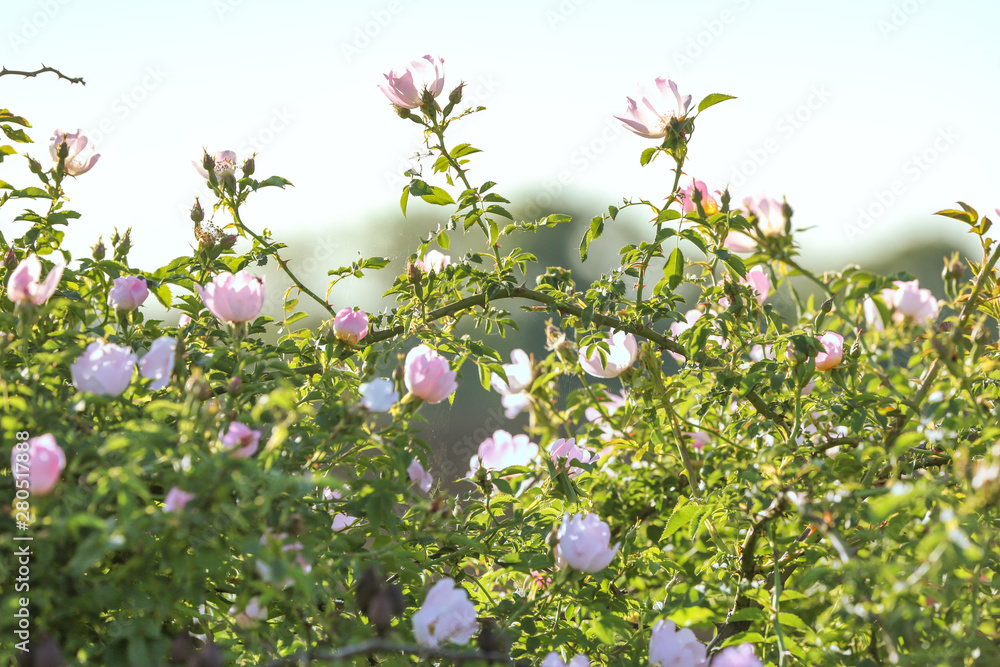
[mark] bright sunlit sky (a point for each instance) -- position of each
(841, 105)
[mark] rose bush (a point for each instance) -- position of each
(726, 459)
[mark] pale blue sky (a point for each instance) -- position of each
(839, 103)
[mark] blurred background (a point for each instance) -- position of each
(867, 115)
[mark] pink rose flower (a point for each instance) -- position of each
(650, 116)
(250, 615)
(584, 544)
(911, 302)
(104, 368)
(350, 325)
(622, 353)
(770, 214)
(158, 363)
(45, 464)
(427, 375)
(564, 452)
(739, 242)
(240, 440)
(127, 293)
(737, 656)
(225, 165)
(183, 320)
(833, 346)
(515, 404)
(502, 451)
(176, 500)
(378, 395)
(519, 374)
(421, 477)
(234, 298)
(447, 615)
(341, 521)
(433, 262)
(23, 286)
(553, 659)
(708, 203)
(75, 164)
(872, 315)
(758, 283)
(699, 439)
(671, 648)
(405, 87)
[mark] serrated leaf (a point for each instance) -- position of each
(647, 156)
(673, 271)
(274, 181)
(680, 517)
(712, 100)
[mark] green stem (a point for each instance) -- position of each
(659, 226)
(281, 263)
(439, 131)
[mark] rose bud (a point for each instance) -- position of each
(197, 212)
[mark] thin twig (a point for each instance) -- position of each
(71, 79)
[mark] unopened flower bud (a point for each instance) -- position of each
(10, 260)
(208, 162)
(403, 112)
(456, 95)
(229, 183)
(228, 241)
(34, 166)
(414, 272)
(724, 200)
(197, 212)
(234, 386)
(786, 210)
(124, 244)
(248, 167)
(63, 150)
(953, 268)
(98, 251)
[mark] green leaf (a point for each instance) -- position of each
(674, 268)
(968, 216)
(15, 134)
(681, 516)
(430, 193)
(7, 150)
(443, 240)
(274, 181)
(712, 100)
(162, 294)
(405, 197)
(7, 117)
(734, 262)
(463, 149)
(647, 156)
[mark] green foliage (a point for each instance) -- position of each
(844, 516)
